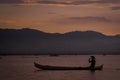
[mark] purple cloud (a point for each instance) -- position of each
(11, 1)
(78, 2)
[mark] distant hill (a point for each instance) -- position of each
(30, 41)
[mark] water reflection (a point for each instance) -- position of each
(22, 68)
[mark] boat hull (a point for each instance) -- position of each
(46, 67)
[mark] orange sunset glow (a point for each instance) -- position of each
(60, 16)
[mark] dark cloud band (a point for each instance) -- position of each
(116, 8)
(90, 18)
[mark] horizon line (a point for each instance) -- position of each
(61, 32)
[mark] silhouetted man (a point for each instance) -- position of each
(92, 61)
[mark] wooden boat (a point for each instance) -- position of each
(47, 67)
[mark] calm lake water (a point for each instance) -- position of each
(22, 68)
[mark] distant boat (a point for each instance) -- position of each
(54, 54)
(47, 67)
(104, 54)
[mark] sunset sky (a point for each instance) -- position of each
(62, 15)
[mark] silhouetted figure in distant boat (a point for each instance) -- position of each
(93, 62)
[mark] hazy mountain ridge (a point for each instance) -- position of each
(34, 41)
